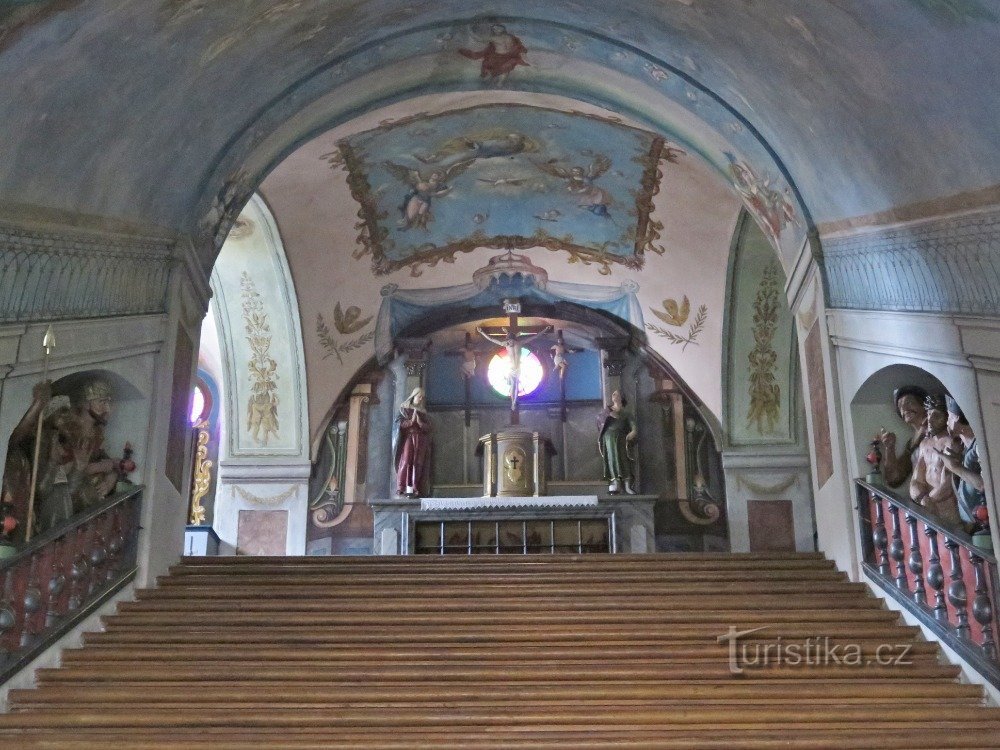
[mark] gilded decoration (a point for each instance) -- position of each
(431, 187)
(202, 476)
(262, 406)
(764, 391)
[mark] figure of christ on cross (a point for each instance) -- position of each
(512, 339)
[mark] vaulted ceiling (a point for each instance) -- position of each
(170, 112)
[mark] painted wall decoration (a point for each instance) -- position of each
(262, 405)
(346, 324)
(760, 344)
(819, 405)
(505, 176)
(764, 389)
(772, 209)
(501, 52)
(260, 345)
(674, 314)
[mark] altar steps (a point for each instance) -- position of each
(496, 652)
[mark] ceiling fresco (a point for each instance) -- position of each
(844, 104)
(505, 176)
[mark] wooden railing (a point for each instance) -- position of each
(935, 571)
(63, 575)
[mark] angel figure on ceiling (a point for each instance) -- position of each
(581, 181)
(416, 205)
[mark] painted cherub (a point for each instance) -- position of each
(416, 205)
(581, 182)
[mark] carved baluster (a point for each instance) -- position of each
(897, 550)
(935, 576)
(916, 562)
(116, 545)
(982, 609)
(98, 556)
(8, 615)
(879, 536)
(32, 603)
(957, 594)
(57, 581)
(78, 570)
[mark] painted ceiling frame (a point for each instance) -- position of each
(738, 151)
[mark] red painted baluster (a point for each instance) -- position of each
(897, 551)
(935, 576)
(957, 594)
(982, 609)
(32, 603)
(8, 617)
(78, 570)
(879, 536)
(916, 562)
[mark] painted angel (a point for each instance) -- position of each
(581, 183)
(416, 205)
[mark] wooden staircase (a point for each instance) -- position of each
(597, 651)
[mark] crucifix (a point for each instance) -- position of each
(468, 354)
(512, 337)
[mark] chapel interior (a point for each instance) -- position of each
(543, 375)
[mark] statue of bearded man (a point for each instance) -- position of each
(74, 469)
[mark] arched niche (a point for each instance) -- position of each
(872, 408)
(678, 447)
(766, 452)
(123, 432)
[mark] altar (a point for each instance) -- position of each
(573, 524)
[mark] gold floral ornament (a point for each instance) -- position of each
(764, 391)
(675, 314)
(346, 323)
(262, 406)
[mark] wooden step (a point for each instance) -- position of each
(498, 652)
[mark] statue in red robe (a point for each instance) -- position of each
(503, 53)
(413, 447)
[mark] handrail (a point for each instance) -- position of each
(63, 575)
(935, 571)
(50, 535)
(919, 511)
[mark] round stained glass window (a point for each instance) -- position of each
(198, 404)
(499, 373)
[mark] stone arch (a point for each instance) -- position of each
(687, 109)
(264, 455)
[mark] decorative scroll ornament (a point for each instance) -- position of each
(764, 391)
(328, 509)
(250, 497)
(202, 477)
(262, 406)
